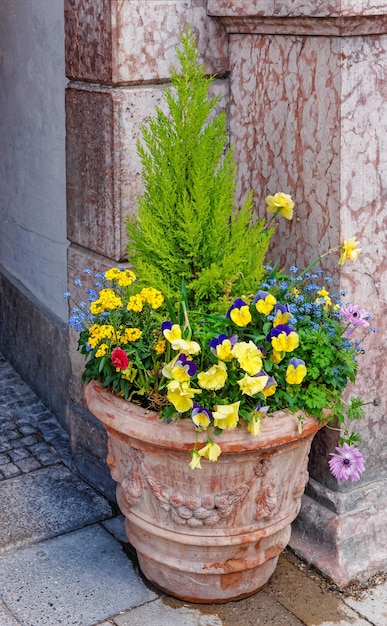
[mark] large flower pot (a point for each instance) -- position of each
(212, 534)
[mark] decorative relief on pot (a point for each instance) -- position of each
(132, 483)
(266, 502)
(261, 468)
(111, 461)
(198, 510)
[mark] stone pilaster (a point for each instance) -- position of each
(308, 116)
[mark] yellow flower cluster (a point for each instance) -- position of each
(97, 332)
(107, 301)
(147, 295)
(152, 296)
(124, 278)
(129, 334)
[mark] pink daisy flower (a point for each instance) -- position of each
(348, 463)
(355, 315)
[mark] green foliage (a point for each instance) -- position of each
(188, 227)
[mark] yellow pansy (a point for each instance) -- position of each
(172, 332)
(214, 378)
(195, 460)
(295, 372)
(264, 302)
(250, 385)
(282, 318)
(239, 312)
(249, 357)
(180, 395)
(254, 426)
(226, 415)
(183, 345)
(276, 356)
(211, 451)
(242, 316)
(224, 350)
(285, 342)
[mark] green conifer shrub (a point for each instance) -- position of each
(188, 229)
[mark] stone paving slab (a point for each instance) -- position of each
(78, 579)
(305, 599)
(6, 619)
(159, 613)
(44, 504)
(372, 604)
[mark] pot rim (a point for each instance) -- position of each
(130, 420)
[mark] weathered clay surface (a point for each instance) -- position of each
(214, 534)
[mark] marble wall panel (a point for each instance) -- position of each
(363, 199)
(103, 167)
(133, 41)
(296, 8)
(93, 151)
(308, 116)
(286, 136)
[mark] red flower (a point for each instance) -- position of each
(120, 359)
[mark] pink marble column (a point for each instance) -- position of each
(308, 116)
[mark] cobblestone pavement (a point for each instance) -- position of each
(30, 436)
(65, 560)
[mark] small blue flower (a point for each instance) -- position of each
(293, 269)
(78, 282)
(67, 294)
(87, 271)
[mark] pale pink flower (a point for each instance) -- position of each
(348, 463)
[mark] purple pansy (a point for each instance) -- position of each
(276, 332)
(217, 341)
(282, 308)
(189, 366)
(260, 295)
(200, 416)
(237, 304)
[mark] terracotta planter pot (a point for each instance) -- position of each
(212, 534)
